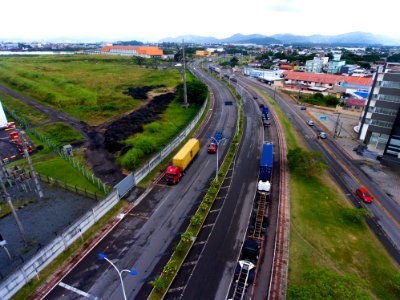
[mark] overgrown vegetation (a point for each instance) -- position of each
(29, 113)
(89, 88)
(320, 99)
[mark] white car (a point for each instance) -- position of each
(310, 122)
(322, 135)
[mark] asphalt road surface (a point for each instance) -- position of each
(143, 239)
(385, 213)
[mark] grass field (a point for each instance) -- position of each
(30, 114)
(89, 88)
(332, 254)
(60, 133)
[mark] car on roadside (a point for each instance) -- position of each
(303, 108)
(212, 148)
(322, 134)
(310, 122)
(364, 195)
(255, 97)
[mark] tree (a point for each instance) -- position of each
(234, 61)
(306, 163)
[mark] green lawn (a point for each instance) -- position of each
(89, 88)
(58, 168)
(332, 255)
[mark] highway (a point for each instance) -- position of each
(385, 214)
(144, 237)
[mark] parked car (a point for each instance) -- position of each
(303, 108)
(363, 194)
(255, 97)
(310, 122)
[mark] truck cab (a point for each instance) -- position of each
(172, 174)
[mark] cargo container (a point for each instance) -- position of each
(266, 162)
(181, 161)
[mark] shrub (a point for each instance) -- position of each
(196, 220)
(159, 283)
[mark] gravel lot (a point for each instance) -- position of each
(42, 220)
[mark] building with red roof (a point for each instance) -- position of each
(304, 79)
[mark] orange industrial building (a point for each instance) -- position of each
(202, 53)
(145, 51)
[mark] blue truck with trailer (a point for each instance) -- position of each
(266, 162)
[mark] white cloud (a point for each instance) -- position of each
(157, 19)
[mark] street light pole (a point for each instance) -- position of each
(217, 143)
(132, 272)
(185, 101)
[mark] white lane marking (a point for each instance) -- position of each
(75, 290)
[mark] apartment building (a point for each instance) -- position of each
(380, 121)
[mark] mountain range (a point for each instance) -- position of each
(349, 39)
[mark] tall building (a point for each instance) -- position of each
(335, 64)
(380, 122)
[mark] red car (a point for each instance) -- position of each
(212, 148)
(364, 195)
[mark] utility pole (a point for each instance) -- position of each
(185, 101)
(336, 125)
(28, 159)
(8, 199)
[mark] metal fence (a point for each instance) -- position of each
(83, 192)
(125, 185)
(31, 268)
(54, 147)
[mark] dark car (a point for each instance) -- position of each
(303, 108)
(255, 97)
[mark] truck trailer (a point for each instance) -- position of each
(181, 161)
(266, 162)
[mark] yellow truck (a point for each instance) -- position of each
(181, 160)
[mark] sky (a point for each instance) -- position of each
(152, 20)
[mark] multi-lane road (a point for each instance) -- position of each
(142, 240)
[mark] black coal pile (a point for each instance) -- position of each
(141, 92)
(133, 123)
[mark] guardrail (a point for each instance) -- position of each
(31, 268)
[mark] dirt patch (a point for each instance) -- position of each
(141, 92)
(133, 123)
